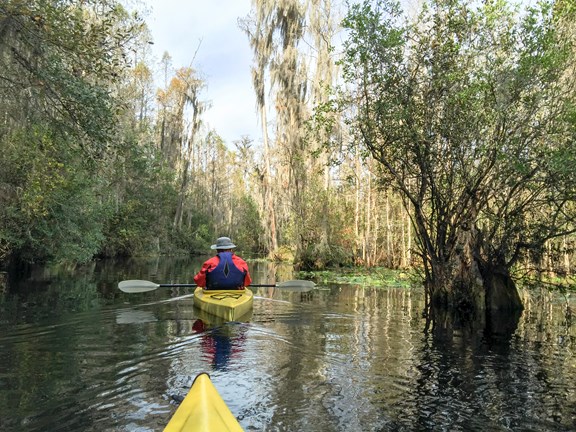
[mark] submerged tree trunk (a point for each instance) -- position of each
(501, 291)
(468, 284)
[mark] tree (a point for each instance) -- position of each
(292, 54)
(188, 87)
(59, 62)
(469, 111)
(260, 34)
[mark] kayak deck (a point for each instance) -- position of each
(227, 304)
(203, 410)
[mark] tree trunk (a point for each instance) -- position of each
(270, 213)
(181, 196)
(470, 285)
(501, 292)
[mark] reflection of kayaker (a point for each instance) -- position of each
(199, 326)
(218, 345)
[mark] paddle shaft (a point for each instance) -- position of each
(138, 286)
(194, 285)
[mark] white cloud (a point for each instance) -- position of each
(223, 59)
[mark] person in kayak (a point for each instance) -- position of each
(225, 271)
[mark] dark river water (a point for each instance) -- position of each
(76, 354)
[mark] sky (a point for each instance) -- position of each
(223, 58)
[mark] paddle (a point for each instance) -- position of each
(138, 286)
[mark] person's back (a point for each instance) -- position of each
(225, 271)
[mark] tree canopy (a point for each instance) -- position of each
(469, 110)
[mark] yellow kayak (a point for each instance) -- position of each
(203, 410)
(229, 305)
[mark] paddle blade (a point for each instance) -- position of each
(297, 284)
(137, 286)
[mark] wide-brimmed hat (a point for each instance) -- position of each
(223, 243)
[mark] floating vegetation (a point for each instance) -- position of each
(375, 276)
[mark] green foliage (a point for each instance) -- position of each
(141, 195)
(320, 256)
(59, 60)
(82, 173)
(327, 239)
(376, 276)
(56, 215)
(195, 238)
(468, 109)
(87, 109)
(58, 63)
(247, 229)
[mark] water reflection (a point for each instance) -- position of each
(134, 316)
(221, 343)
(77, 354)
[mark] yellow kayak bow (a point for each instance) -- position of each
(203, 410)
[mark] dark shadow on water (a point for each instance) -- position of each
(501, 325)
(464, 366)
(497, 326)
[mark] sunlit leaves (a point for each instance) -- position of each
(60, 60)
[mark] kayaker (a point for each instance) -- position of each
(225, 271)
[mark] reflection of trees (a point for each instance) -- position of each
(63, 350)
(360, 359)
(41, 369)
(345, 340)
(266, 272)
(157, 269)
(474, 379)
(300, 368)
